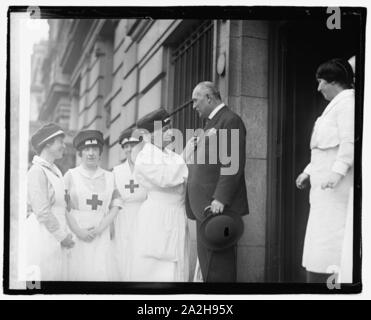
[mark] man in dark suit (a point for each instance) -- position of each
(210, 183)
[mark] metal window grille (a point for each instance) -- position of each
(192, 61)
(108, 116)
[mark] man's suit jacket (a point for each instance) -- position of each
(205, 181)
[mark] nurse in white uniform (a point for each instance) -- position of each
(47, 236)
(161, 248)
(94, 203)
(330, 172)
(133, 195)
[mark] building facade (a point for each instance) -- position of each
(37, 96)
(105, 74)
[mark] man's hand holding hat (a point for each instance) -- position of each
(216, 207)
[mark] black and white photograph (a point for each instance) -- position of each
(173, 150)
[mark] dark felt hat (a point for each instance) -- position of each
(87, 138)
(220, 231)
(45, 133)
(127, 137)
(147, 122)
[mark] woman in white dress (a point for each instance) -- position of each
(161, 246)
(133, 196)
(346, 266)
(47, 237)
(94, 203)
(330, 172)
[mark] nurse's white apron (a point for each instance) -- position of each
(45, 255)
(91, 261)
(133, 195)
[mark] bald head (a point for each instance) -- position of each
(208, 87)
(205, 97)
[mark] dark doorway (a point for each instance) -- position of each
(298, 48)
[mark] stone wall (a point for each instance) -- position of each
(138, 78)
(248, 96)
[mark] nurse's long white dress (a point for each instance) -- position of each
(332, 146)
(346, 266)
(161, 246)
(133, 196)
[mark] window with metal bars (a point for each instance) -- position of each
(192, 61)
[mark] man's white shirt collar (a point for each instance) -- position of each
(215, 111)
